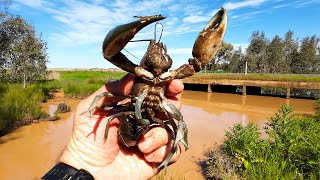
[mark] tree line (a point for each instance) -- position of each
(278, 55)
(23, 53)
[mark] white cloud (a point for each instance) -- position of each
(247, 3)
(33, 3)
(249, 15)
(281, 6)
(195, 19)
(304, 3)
(83, 22)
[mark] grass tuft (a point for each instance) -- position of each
(19, 104)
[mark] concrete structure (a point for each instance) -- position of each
(252, 85)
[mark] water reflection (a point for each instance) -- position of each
(52, 109)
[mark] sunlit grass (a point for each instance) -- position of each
(82, 83)
(90, 75)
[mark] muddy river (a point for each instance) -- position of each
(30, 151)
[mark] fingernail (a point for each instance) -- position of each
(146, 144)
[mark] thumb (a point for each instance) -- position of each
(121, 87)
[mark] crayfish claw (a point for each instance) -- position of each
(209, 40)
(119, 37)
(149, 17)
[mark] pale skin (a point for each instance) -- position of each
(104, 157)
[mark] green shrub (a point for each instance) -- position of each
(290, 151)
(17, 104)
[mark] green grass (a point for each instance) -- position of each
(264, 77)
(17, 104)
(291, 151)
(80, 84)
(90, 76)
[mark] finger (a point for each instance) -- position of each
(174, 87)
(122, 86)
(160, 154)
(153, 139)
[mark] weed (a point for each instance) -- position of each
(291, 151)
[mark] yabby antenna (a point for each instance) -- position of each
(155, 31)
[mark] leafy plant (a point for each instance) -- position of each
(291, 150)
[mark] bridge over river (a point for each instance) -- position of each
(252, 87)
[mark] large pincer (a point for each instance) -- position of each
(205, 47)
(119, 37)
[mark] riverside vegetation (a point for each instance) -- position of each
(290, 150)
(20, 106)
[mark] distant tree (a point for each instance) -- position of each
(4, 5)
(23, 54)
(223, 56)
(252, 63)
(307, 59)
(256, 52)
(276, 56)
(291, 47)
(237, 63)
(309, 51)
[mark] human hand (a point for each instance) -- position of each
(106, 158)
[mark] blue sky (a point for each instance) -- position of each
(74, 30)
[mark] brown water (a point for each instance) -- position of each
(32, 150)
